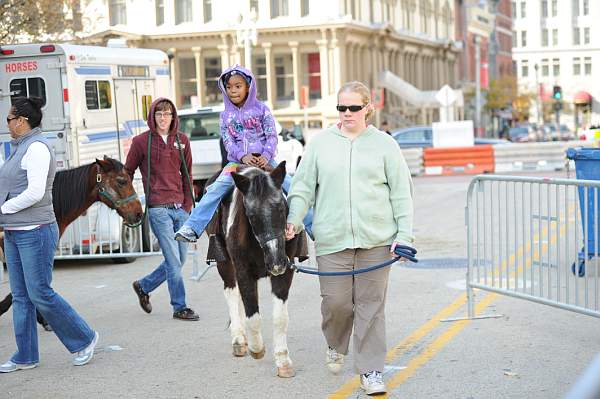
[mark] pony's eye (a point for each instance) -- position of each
(121, 181)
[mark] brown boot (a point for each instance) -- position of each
(143, 297)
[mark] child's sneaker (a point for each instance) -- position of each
(372, 383)
(334, 360)
(186, 234)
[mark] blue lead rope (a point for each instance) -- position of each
(402, 251)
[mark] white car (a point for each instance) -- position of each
(201, 124)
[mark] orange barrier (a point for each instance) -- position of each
(459, 160)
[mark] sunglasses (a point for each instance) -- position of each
(8, 118)
(352, 108)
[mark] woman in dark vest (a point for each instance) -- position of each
(30, 240)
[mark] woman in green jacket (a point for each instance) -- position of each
(361, 189)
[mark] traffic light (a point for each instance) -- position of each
(557, 93)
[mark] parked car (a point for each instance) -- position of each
(519, 134)
(422, 136)
(563, 134)
(201, 124)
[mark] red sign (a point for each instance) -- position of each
(303, 96)
(377, 98)
(483, 75)
(24, 66)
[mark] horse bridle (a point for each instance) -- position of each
(118, 202)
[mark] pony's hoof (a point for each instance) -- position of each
(286, 371)
(240, 350)
(258, 355)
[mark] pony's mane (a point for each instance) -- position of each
(71, 188)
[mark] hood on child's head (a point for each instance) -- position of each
(247, 75)
(152, 122)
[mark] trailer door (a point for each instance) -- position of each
(34, 76)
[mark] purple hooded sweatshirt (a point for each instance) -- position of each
(249, 129)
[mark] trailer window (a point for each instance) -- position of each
(98, 94)
(27, 87)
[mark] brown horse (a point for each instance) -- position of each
(74, 190)
(249, 244)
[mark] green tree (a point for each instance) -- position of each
(501, 93)
(38, 20)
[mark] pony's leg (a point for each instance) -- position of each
(234, 302)
(249, 294)
(280, 287)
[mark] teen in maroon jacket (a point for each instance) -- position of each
(169, 201)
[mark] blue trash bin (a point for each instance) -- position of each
(587, 167)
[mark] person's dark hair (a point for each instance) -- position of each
(30, 108)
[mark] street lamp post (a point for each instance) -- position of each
(246, 36)
(477, 86)
(537, 95)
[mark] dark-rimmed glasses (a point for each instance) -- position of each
(352, 108)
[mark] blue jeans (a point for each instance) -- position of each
(164, 223)
(215, 193)
(30, 258)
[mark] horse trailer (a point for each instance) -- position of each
(96, 99)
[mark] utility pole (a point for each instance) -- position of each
(537, 96)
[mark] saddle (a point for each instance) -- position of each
(297, 247)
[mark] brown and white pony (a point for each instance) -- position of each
(248, 232)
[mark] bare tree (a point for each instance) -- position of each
(36, 20)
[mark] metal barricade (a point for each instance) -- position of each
(526, 237)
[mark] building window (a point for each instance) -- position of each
(513, 9)
(514, 67)
(187, 77)
(254, 4)
(97, 94)
(159, 5)
(586, 35)
(312, 74)
(514, 39)
(554, 8)
(575, 36)
(304, 9)
(523, 38)
(577, 66)
(523, 9)
(555, 37)
(575, 5)
(544, 37)
(117, 12)
(259, 65)
(183, 11)
(212, 71)
(545, 8)
(545, 68)
(279, 8)
(555, 67)
(207, 8)
(284, 77)
(587, 65)
(586, 7)
(524, 68)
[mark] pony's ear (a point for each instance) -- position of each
(104, 164)
(278, 174)
(241, 182)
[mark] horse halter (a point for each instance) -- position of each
(116, 202)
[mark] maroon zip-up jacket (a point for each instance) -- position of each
(168, 183)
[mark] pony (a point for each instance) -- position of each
(247, 239)
(75, 190)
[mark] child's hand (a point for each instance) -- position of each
(261, 161)
(248, 159)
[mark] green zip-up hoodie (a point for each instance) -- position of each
(361, 191)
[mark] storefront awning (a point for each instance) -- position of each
(582, 98)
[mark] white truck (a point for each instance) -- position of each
(95, 100)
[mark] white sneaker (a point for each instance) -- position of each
(334, 360)
(11, 366)
(84, 356)
(372, 383)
